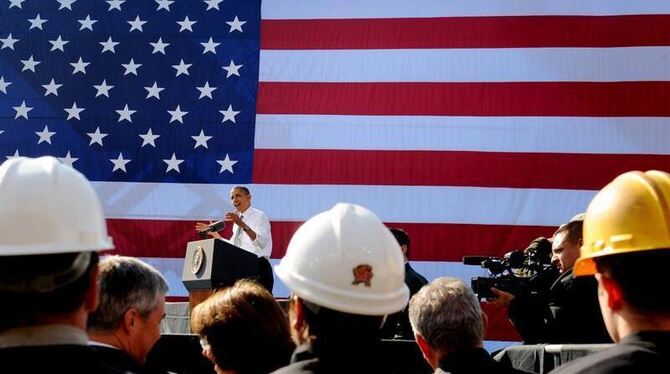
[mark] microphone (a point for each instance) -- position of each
(214, 227)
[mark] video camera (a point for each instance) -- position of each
(518, 271)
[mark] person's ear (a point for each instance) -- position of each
(426, 350)
(130, 319)
(298, 321)
(485, 320)
(404, 249)
(93, 294)
(613, 294)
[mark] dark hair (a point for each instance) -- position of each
(245, 327)
(26, 307)
(243, 189)
(402, 238)
(573, 230)
(641, 276)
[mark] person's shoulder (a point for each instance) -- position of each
(305, 367)
(619, 358)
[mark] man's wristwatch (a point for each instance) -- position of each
(246, 228)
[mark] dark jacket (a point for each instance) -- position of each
(644, 352)
(304, 360)
(570, 313)
(119, 359)
(397, 325)
(476, 360)
(71, 359)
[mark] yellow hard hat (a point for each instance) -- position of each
(630, 214)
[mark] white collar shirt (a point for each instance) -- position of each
(259, 222)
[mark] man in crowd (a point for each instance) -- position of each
(345, 271)
(627, 247)
(52, 227)
(251, 232)
(449, 329)
(570, 314)
(397, 325)
(126, 324)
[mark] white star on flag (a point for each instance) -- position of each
(213, 4)
(236, 25)
(96, 137)
(154, 91)
(177, 114)
(136, 24)
(125, 113)
(22, 110)
(229, 114)
(119, 163)
(16, 3)
(68, 159)
(186, 24)
(36, 22)
(58, 44)
(210, 46)
(159, 46)
(87, 23)
(79, 66)
(73, 112)
(131, 67)
(8, 42)
(65, 4)
(45, 135)
(51, 88)
(164, 4)
(173, 164)
(108, 45)
(4, 84)
(182, 68)
(115, 4)
(232, 69)
(226, 164)
(201, 139)
(30, 64)
(103, 88)
(206, 90)
(16, 154)
(149, 138)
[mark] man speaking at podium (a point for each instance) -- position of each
(251, 232)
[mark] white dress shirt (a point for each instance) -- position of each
(259, 222)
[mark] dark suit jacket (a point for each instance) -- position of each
(120, 360)
(570, 313)
(397, 325)
(74, 359)
(644, 352)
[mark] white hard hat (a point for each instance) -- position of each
(47, 208)
(345, 259)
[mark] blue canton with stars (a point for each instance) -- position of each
(134, 90)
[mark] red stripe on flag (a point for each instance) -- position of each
(442, 168)
(430, 242)
(612, 99)
(467, 32)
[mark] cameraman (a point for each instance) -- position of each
(569, 312)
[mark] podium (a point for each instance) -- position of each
(212, 263)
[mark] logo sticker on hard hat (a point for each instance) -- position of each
(362, 274)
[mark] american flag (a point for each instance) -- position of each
(476, 126)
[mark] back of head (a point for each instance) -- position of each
(401, 237)
(124, 283)
(245, 328)
(52, 223)
(346, 260)
(447, 314)
(627, 237)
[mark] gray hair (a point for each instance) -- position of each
(447, 314)
(125, 283)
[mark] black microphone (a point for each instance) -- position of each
(214, 227)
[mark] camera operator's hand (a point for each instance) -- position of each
(504, 298)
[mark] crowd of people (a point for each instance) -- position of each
(69, 310)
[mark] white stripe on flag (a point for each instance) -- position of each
(467, 65)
